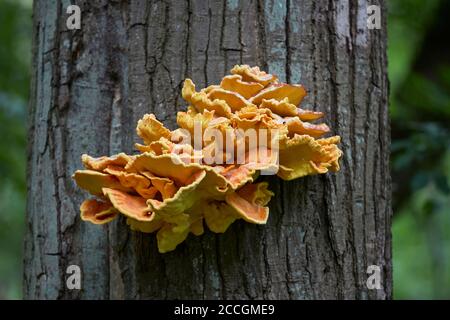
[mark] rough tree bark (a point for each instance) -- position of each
(89, 88)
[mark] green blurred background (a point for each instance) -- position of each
(419, 72)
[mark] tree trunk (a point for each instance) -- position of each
(90, 87)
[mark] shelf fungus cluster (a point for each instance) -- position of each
(204, 172)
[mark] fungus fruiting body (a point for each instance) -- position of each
(204, 172)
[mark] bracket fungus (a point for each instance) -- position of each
(204, 172)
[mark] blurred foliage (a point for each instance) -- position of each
(15, 47)
(419, 72)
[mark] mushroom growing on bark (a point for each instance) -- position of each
(178, 183)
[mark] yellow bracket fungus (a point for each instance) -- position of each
(177, 184)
